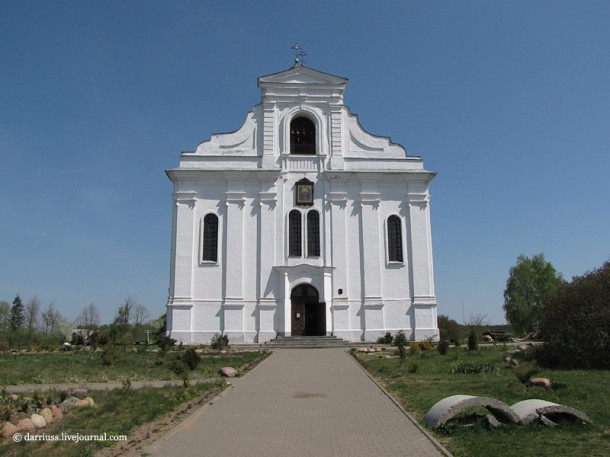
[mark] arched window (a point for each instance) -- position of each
(294, 233)
(302, 136)
(313, 234)
(210, 238)
(394, 239)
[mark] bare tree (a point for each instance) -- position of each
(124, 314)
(89, 318)
(140, 314)
(32, 310)
(478, 322)
(50, 318)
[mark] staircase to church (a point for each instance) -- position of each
(306, 342)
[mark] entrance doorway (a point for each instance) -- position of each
(308, 314)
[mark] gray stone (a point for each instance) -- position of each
(76, 392)
(531, 410)
(228, 372)
(447, 408)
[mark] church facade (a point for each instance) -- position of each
(300, 223)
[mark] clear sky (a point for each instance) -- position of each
(509, 101)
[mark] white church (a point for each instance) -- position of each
(300, 223)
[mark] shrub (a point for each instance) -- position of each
(449, 329)
(425, 345)
(473, 340)
(576, 323)
(414, 348)
(400, 338)
(412, 368)
(386, 339)
(443, 346)
(191, 358)
(219, 342)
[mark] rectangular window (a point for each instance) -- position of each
(313, 234)
(394, 239)
(210, 238)
(294, 234)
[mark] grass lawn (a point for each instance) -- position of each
(117, 412)
(81, 366)
(426, 378)
(137, 413)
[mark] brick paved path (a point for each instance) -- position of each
(299, 402)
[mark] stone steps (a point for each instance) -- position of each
(306, 342)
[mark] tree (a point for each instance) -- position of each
(89, 318)
(32, 310)
(576, 323)
(528, 285)
(124, 313)
(50, 318)
(449, 329)
(17, 314)
(140, 315)
(5, 315)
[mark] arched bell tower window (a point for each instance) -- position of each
(302, 136)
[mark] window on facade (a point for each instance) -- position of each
(294, 233)
(302, 136)
(394, 239)
(313, 234)
(210, 238)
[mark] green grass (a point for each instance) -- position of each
(118, 412)
(81, 366)
(586, 390)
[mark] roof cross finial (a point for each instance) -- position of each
(299, 54)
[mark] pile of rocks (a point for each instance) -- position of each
(46, 416)
(370, 350)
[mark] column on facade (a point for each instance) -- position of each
(336, 131)
(233, 306)
(371, 259)
(422, 272)
(183, 261)
(339, 308)
(267, 304)
(269, 132)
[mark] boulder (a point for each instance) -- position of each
(67, 404)
(47, 414)
(228, 372)
(9, 429)
(487, 339)
(76, 392)
(25, 425)
(38, 421)
(541, 382)
(90, 400)
(82, 403)
(57, 414)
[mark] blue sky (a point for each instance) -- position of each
(509, 101)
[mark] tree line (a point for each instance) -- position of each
(25, 324)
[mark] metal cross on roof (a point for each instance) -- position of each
(299, 54)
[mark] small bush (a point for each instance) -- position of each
(524, 374)
(191, 358)
(473, 340)
(412, 368)
(443, 347)
(386, 339)
(219, 342)
(400, 338)
(414, 348)
(425, 345)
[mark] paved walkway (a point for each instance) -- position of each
(299, 402)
